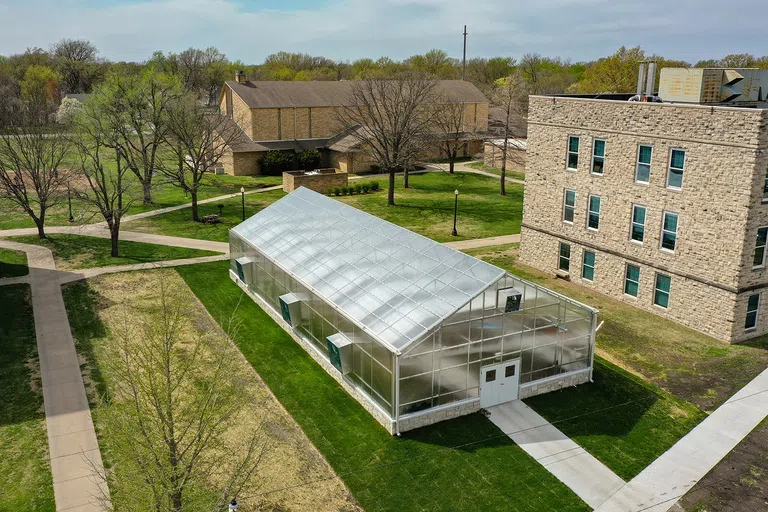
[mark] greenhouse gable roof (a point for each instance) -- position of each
(394, 283)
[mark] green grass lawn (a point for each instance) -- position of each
(426, 208)
(13, 263)
(462, 464)
(25, 473)
(693, 366)
(620, 419)
(517, 172)
(73, 252)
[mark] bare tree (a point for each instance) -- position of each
(507, 96)
(173, 391)
(31, 173)
(76, 62)
(390, 120)
(198, 139)
(449, 137)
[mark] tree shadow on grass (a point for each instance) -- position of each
(13, 270)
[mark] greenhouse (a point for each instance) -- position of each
(416, 331)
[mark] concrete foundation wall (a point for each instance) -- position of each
(554, 383)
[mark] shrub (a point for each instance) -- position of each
(329, 192)
(366, 188)
(358, 188)
(374, 186)
(337, 191)
(309, 159)
(276, 162)
(347, 190)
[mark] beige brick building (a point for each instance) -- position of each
(661, 205)
(293, 116)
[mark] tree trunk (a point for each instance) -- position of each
(405, 176)
(451, 158)
(40, 228)
(451, 163)
(114, 235)
(503, 182)
(147, 186)
(195, 215)
(391, 188)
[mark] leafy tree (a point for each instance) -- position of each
(75, 60)
(435, 63)
(68, 110)
(40, 88)
(618, 72)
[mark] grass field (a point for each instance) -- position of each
(13, 263)
(462, 464)
(690, 365)
(426, 208)
(26, 482)
(516, 171)
(73, 252)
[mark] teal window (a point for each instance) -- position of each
(753, 306)
(759, 258)
(661, 291)
(598, 156)
(765, 186)
(569, 205)
(593, 213)
(632, 280)
(643, 170)
(588, 266)
(638, 223)
(669, 231)
(676, 169)
(573, 153)
(564, 262)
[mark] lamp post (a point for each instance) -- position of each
(69, 200)
(242, 195)
(233, 505)
(455, 211)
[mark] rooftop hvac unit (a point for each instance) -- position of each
(510, 298)
(290, 309)
(244, 269)
(340, 352)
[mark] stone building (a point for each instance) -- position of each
(661, 205)
(294, 116)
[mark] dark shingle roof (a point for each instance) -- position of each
(329, 93)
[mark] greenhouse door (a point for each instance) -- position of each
(499, 383)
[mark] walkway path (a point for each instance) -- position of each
(77, 275)
(668, 478)
(474, 243)
(74, 450)
(589, 478)
(463, 167)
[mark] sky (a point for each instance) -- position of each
(348, 29)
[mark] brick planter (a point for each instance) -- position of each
(319, 180)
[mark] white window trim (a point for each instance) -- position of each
(765, 249)
(592, 162)
(669, 168)
(765, 183)
(589, 205)
(637, 165)
(632, 223)
(565, 193)
(757, 313)
(624, 281)
(583, 264)
(655, 289)
(568, 152)
(662, 231)
(559, 245)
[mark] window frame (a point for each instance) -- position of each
(638, 163)
(595, 156)
(656, 289)
(664, 231)
(584, 265)
(560, 257)
(589, 211)
(568, 153)
(566, 206)
(681, 169)
(765, 187)
(756, 312)
(760, 247)
(632, 223)
(627, 279)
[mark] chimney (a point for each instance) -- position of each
(240, 77)
(651, 84)
(641, 79)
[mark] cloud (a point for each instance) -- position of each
(348, 29)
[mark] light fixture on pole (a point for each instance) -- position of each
(242, 195)
(455, 212)
(69, 200)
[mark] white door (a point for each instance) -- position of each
(499, 383)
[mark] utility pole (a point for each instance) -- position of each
(464, 57)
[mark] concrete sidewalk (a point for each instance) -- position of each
(668, 478)
(74, 451)
(462, 167)
(589, 478)
(77, 275)
(474, 243)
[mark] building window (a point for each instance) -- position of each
(569, 205)
(593, 213)
(598, 156)
(565, 257)
(632, 280)
(643, 170)
(573, 153)
(588, 266)
(759, 259)
(669, 231)
(638, 223)
(661, 291)
(676, 168)
(753, 305)
(765, 186)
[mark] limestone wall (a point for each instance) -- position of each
(327, 179)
